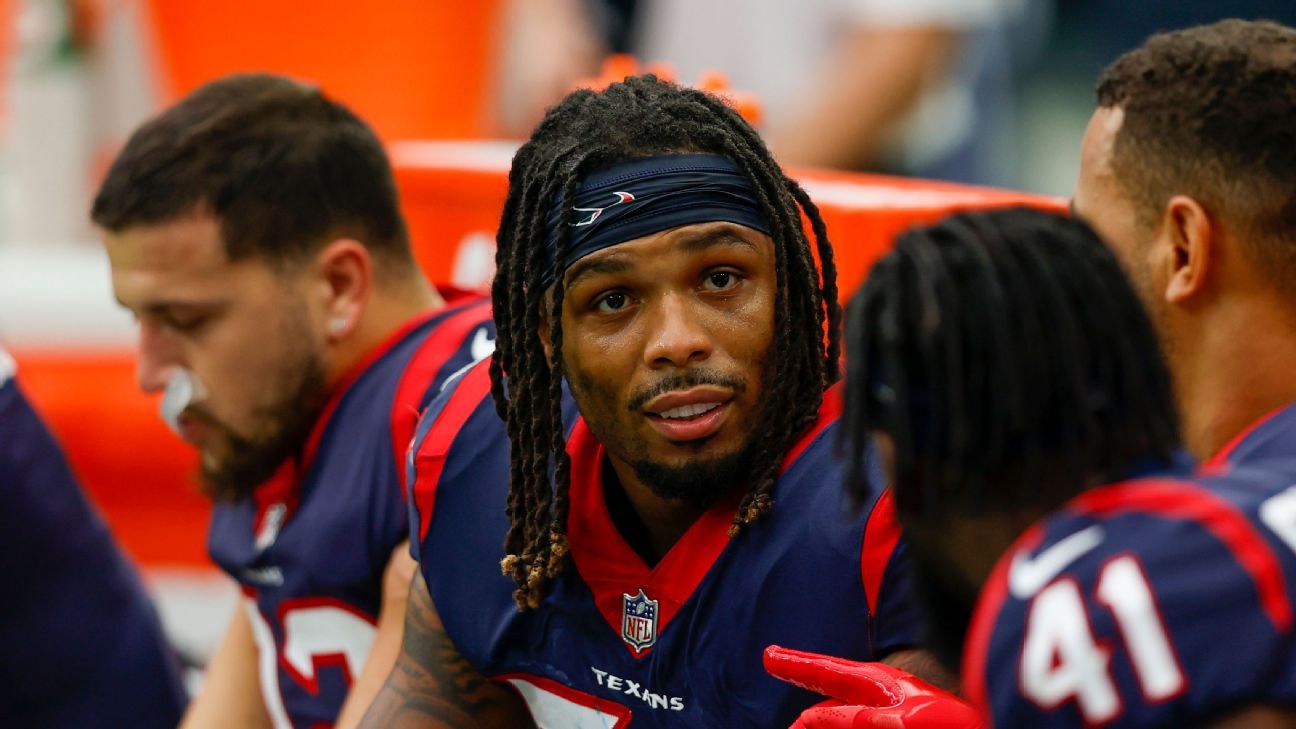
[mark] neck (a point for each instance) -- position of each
(662, 521)
(388, 309)
(972, 546)
(1237, 370)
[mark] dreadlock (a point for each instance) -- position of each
(1010, 362)
(587, 131)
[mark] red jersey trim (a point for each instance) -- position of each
(622, 712)
(829, 410)
(440, 345)
(1170, 499)
(612, 568)
(881, 535)
(454, 296)
(320, 660)
(283, 486)
(1184, 500)
(977, 648)
(1220, 460)
(431, 456)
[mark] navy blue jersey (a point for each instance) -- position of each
(309, 548)
(617, 643)
(1153, 602)
(80, 643)
(1270, 437)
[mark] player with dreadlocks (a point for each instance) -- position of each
(651, 446)
(1011, 381)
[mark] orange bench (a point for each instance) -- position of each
(452, 194)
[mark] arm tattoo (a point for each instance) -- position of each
(432, 686)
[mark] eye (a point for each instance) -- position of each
(187, 325)
(720, 280)
(611, 303)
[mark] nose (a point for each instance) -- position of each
(157, 359)
(677, 336)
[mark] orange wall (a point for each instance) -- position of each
(141, 474)
(412, 68)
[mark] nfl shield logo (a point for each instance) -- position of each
(638, 620)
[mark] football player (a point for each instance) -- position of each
(1013, 385)
(1185, 171)
(648, 459)
(83, 648)
(253, 230)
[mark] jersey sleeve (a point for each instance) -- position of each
(438, 428)
(1159, 612)
(465, 336)
(896, 619)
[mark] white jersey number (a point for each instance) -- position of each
(315, 635)
(1061, 659)
(1279, 514)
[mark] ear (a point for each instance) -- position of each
(1190, 235)
(344, 280)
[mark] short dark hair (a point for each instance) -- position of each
(640, 117)
(1210, 112)
(1010, 362)
(281, 166)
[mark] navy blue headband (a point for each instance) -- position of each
(644, 196)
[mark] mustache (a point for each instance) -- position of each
(685, 381)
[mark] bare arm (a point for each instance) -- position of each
(869, 83)
(230, 695)
(391, 622)
(432, 686)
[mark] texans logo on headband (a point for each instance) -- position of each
(622, 197)
(671, 190)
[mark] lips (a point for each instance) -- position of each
(190, 428)
(684, 412)
(689, 415)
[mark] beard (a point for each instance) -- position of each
(702, 479)
(251, 460)
(698, 483)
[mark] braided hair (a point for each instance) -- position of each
(640, 117)
(1009, 361)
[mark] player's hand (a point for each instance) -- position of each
(864, 695)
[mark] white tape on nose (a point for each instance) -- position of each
(182, 390)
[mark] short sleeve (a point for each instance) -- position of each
(895, 618)
(1136, 619)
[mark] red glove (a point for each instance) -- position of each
(867, 695)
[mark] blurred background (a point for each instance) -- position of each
(983, 92)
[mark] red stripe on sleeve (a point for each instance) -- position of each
(1221, 459)
(430, 458)
(881, 534)
(440, 345)
(829, 411)
(976, 648)
(1184, 500)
